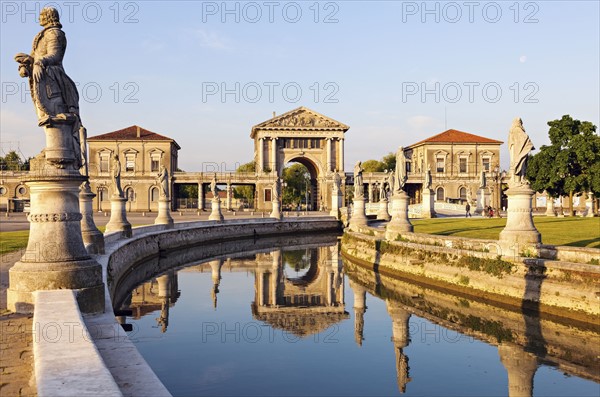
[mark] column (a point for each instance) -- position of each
(360, 307)
(275, 276)
(229, 196)
(328, 154)
(261, 155)
(200, 196)
(341, 155)
(274, 155)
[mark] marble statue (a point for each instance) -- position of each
(358, 180)
(163, 182)
(482, 180)
(428, 177)
(337, 181)
(391, 181)
(519, 146)
(384, 189)
(401, 176)
(116, 176)
(54, 94)
(276, 190)
(213, 187)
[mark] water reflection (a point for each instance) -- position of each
(301, 292)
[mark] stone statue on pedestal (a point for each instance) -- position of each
(276, 190)
(428, 177)
(519, 146)
(391, 181)
(337, 182)
(213, 187)
(401, 176)
(358, 181)
(163, 182)
(54, 94)
(482, 180)
(116, 176)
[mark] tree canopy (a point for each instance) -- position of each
(388, 162)
(13, 162)
(571, 163)
(297, 180)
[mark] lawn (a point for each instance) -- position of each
(12, 241)
(579, 232)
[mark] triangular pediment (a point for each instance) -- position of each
(301, 118)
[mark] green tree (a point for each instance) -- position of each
(373, 166)
(570, 164)
(11, 162)
(245, 193)
(389, 161)
(297, 179)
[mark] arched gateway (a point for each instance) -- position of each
(304, 136)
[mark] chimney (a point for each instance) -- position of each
(138, 131)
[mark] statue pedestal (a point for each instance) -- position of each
(336, 204)
(359, 216)
(93, 238)
(483, 200)
(550, 207)
(118, 219)
(520, 233)
(383, 213)
(399, 223)
(276, 212)
(56, 257)
(428, 205)
(590, 207)
(164, 213)
(216, 214)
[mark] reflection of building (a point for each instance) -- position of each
(305, 305)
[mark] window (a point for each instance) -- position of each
(408, 167)
(439, 194)
(103, 194)
(267, 195)
(462, 192)
(2, 190)
(439, 167)
(485, 162)
(154, 194)
(22, 190)
(462, 165)
(129, 194)
(105, 162)
(130, 162)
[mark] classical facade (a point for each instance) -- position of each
(142, 153)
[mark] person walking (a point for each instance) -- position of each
(468, 210)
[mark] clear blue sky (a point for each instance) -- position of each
(157, 64)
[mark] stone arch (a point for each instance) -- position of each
(463, 192)
(153, 196)
(316, 177)
(440, 194)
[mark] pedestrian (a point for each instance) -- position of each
(468, 211)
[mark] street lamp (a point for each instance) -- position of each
(497, 177)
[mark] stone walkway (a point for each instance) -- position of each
(16, 341)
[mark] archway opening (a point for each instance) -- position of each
(300, 190)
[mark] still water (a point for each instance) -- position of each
(301, 321)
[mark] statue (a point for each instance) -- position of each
(213, 187)
(391, 181)
(384, 189)
(276, 190)
(358, 181)
(163, 182)
(482, 180)
(337, 182)
(54, 94)
(116, 176)
(519, 146)
(401, 176)
(428, 177)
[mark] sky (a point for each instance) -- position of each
(396, 72)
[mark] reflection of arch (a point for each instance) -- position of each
(310, 276)
(439, 194)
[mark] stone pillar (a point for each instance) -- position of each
(520, 233)
(483, 200)
(359, 216)
(229, 196)
(164, 213)
(56, 257)
(200, 197)
(261, 155)
(401, 339)
(383, 213)
(399, 223)
(275, 275)
(341, 155)
(521, 367)
(164, 292)
(276, 209)
(550, 206)
(371, 193)
(216, 214)
(328, 154)
(360, 307)
(590, 205)
(118, 217)
(93, 238)
(215, 267)
(428, 204)
(274, 156)
(336, 202)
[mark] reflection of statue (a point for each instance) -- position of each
(358, 181)
(163, 182)
(276, 190)
(337, 182)
(116, 176)
(428, 178)
(54, 94)
(391, 181)
(519, 146)
(400, 170)
(482, 181)
(213, 187)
